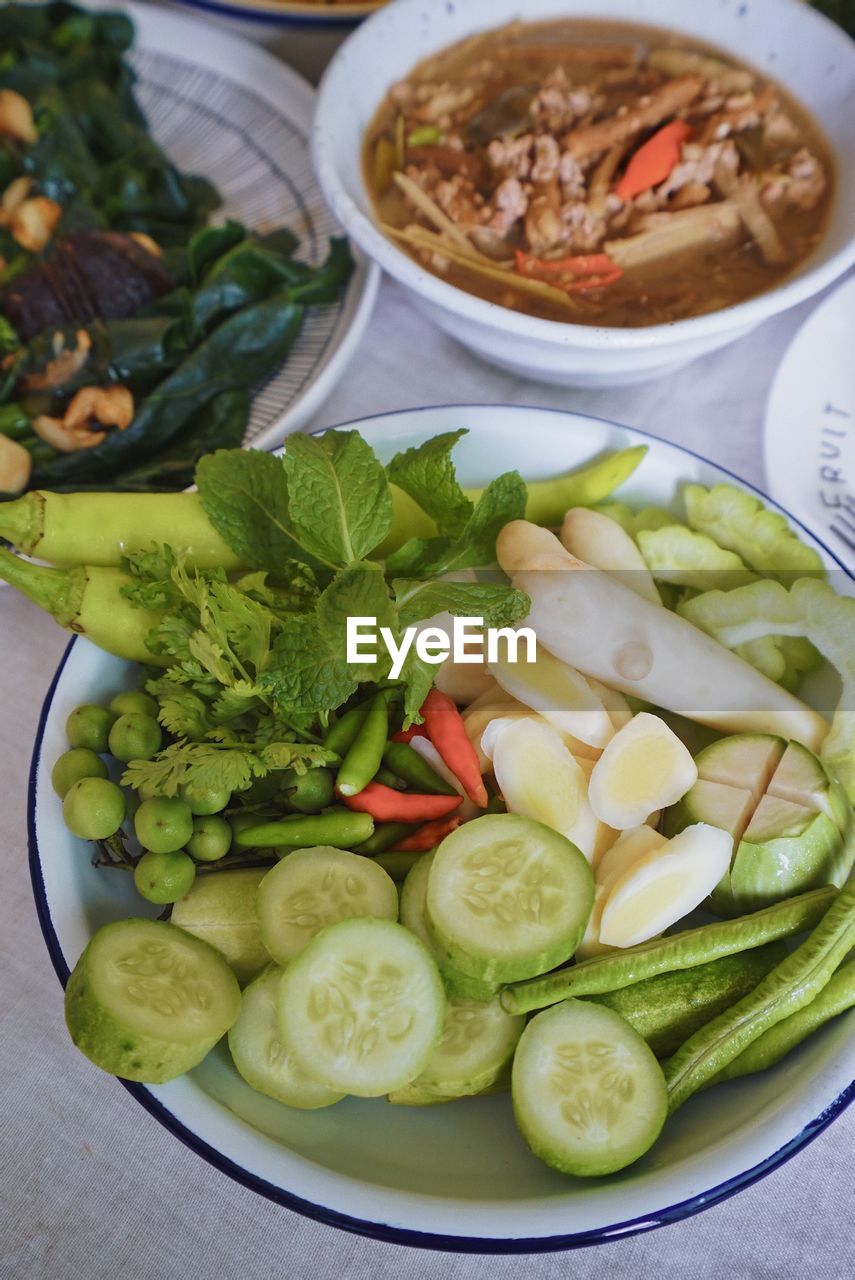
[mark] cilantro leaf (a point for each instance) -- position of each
(427, 474)
(217, 765)
(339, 496)
(306, 673)
(498, 605)
(245, 496)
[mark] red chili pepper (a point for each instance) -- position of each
(592, 282)
(407, 735)
(387, 805)
(580, 264)
(447, 732)
(427, 837)
(654, 160)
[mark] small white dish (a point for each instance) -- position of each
(786, 39)
(224, 108)
(457, 1177)
(291, 13)
(809, 434)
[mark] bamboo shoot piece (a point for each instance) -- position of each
(601, 628)
(705, 229)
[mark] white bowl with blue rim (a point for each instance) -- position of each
(784, 39)
(458, 1176)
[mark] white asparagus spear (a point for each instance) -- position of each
(600, 627)
(603, 544)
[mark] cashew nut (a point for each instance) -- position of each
(16, 117)
(15, 466)
(107, 406)
(33, 222)
(66, 363)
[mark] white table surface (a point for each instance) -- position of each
(91, 1186)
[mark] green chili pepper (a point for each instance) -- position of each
(776, 1043)
(663, 955)
(406, 763)
(397, 863)
(87, 600)
(341, 736)
(362, 760)
(340, 828)
(100, 528)
(389, 779)
(384, 836)
(788, 988)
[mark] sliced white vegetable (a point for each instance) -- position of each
(603, 629)
(540, 779)
(624, 853)
(746, 761)
(428, 752)
(603, 544)
(620, 712)
(558, 692)
(476, 720)
(664, 885)
(644, 767)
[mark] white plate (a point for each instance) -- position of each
(809, 440)
(223, 108)
(456, 1177)
(291, 13)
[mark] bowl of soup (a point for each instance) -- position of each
(595, 201)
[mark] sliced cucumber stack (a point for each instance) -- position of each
(262, 1057)
(790, 821)
(312, 888)
(220, 909)
(362, 1007)
(508, 898)
(478, 1041)
(413, 910)
(147, 1001)
(589, 1096)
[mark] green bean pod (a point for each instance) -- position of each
(789, 987)
(397, 863)
(363, 758)
(407, 764)
(678, 951)
(69, 529)
(87, 600)
(776, 1043)
(340, 828)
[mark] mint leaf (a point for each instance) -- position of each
(357, 592)
(503, 500)
(339, 497)
(418, 676)
(427, 474)
(498, 605)
(245, 496)
(306, 673)
(417, 555)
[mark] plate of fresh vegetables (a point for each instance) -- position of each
(503, 957)
(171, 281)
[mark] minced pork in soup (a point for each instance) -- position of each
(597, 173)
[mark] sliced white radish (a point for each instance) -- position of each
(540, 779)
(600, 627)
(557, 692)
(603, 544)
(664, 885)
(644, 767)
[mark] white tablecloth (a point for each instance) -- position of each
(92, 1187)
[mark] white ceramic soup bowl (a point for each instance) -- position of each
(785, 39)
(460, 1176)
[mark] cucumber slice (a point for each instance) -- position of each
(220, 909)
(508, 898)
(312, 888)
(477, 1041)
(413, 909)
(147, 1001)
(589, 1096)
(261, 1057)
(362, 1007)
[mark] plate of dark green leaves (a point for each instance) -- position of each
(171, 281)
